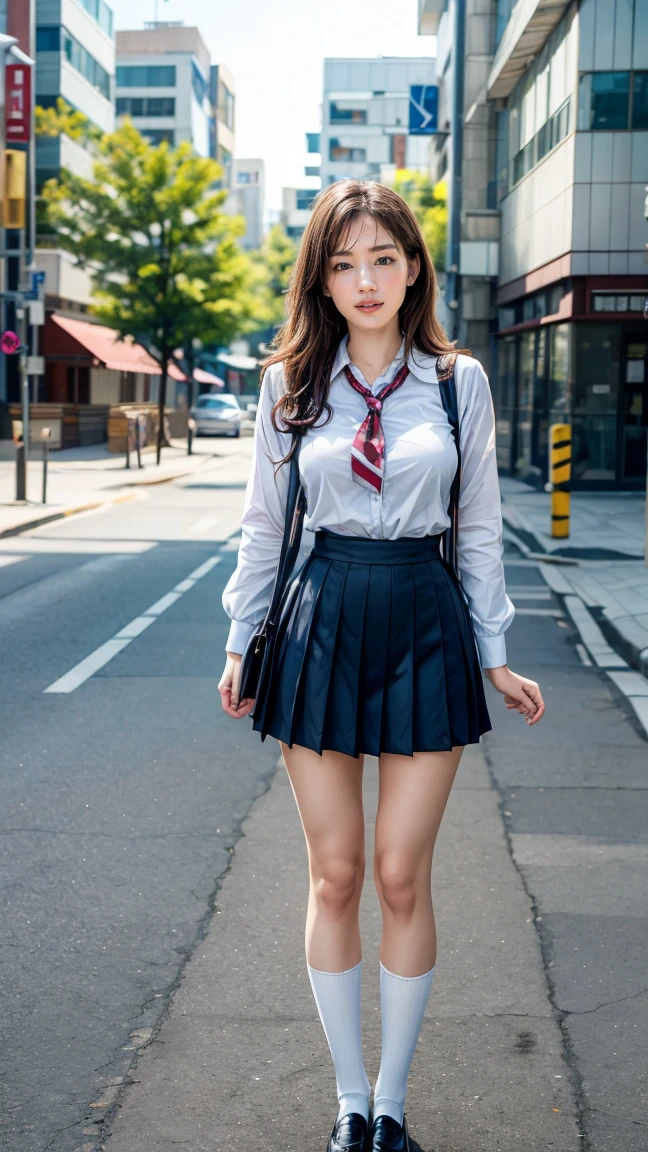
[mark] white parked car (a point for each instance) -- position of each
(217, 415)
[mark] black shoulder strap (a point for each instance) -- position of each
(295, 508)
(448, 389)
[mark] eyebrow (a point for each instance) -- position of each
(378, 248)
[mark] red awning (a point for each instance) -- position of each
(119, 355)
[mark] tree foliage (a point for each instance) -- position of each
(429, 203)
(164, 257)
(270, 270)
(64, 120)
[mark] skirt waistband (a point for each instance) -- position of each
(368, 550)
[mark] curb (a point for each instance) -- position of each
(71, 510)
(89, 506)
(636, 656)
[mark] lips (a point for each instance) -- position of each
(373, 307)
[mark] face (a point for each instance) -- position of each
(369, 275)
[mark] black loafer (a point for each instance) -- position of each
(387, 1135)
(349, 1134)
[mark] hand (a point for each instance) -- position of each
(229, 688)
(519, 692)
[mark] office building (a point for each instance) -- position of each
(552, 277)
(247, 199)
(163, 84)
(296, 209)
(366, 114)
(222, 127)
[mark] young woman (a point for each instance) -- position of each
(379, 643)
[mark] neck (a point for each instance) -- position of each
(373, 352)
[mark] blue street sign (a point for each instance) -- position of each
(423, 109)
(37, 290)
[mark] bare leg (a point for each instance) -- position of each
(412, 798)
(328, 792)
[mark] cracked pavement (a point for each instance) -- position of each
(154, 881)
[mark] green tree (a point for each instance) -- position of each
(163, 255)
(429, 203)
(63, 119)
(270, 271)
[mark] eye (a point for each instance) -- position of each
(389, 259)
(336, 267)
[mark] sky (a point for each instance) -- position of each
(275, 50)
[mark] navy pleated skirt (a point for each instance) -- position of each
(374, 652)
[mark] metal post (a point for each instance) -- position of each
(45, 454)
(456, 183)
(138, 440)
(24, 400)
(128, 442)
(560, 480)
(21, 494)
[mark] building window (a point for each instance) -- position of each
(616, 302)
(83, 62)
(145, 106)
(101, 13)
(305, 197)
(146, 76)
(604, 101)
(157, 136)
(552, 133)
(640, 101)
(198, 83)
(48, 38)
(339, 115)
(225, 106)
(344, 154)
(248, 177)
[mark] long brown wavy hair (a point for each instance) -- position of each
(309, 338)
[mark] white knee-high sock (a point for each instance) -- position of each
(337, 995)
(402, 1000)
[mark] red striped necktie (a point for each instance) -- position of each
(368, 448)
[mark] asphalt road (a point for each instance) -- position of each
(122, 799)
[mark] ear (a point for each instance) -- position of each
(413, 269)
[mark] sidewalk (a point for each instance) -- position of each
(606, 550)
(79, 479)
(241, 1061)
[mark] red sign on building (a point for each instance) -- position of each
(17, 103)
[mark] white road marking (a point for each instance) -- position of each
(204, 525)
(102, 655)
(540, 612)
(161, 605)
(88, 667)
(525, 594)
(6, 560)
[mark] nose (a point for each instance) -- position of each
(366, 281)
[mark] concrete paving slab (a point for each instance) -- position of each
(241, 1062)
(582, 875)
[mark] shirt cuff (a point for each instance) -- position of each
(492, 651)
(239, 634)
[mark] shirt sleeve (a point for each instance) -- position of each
(246, 595)
(479, 537)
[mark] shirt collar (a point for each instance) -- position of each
(421, 364)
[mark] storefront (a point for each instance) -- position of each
(576, 353)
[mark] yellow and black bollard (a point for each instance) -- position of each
(560, 478)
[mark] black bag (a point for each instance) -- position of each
(258, 658)
(448, 389)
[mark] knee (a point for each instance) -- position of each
(396, 884)
(337, 883)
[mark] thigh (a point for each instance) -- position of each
(328, 792)
(413, 792)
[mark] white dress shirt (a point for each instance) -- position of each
(419, 464)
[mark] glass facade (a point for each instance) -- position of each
(101, 13)
(146, 76)
(592, 375)
(145, 106)
(54, 38)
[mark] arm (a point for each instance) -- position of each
(479, 542)
(479, 539)
(247, 593)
